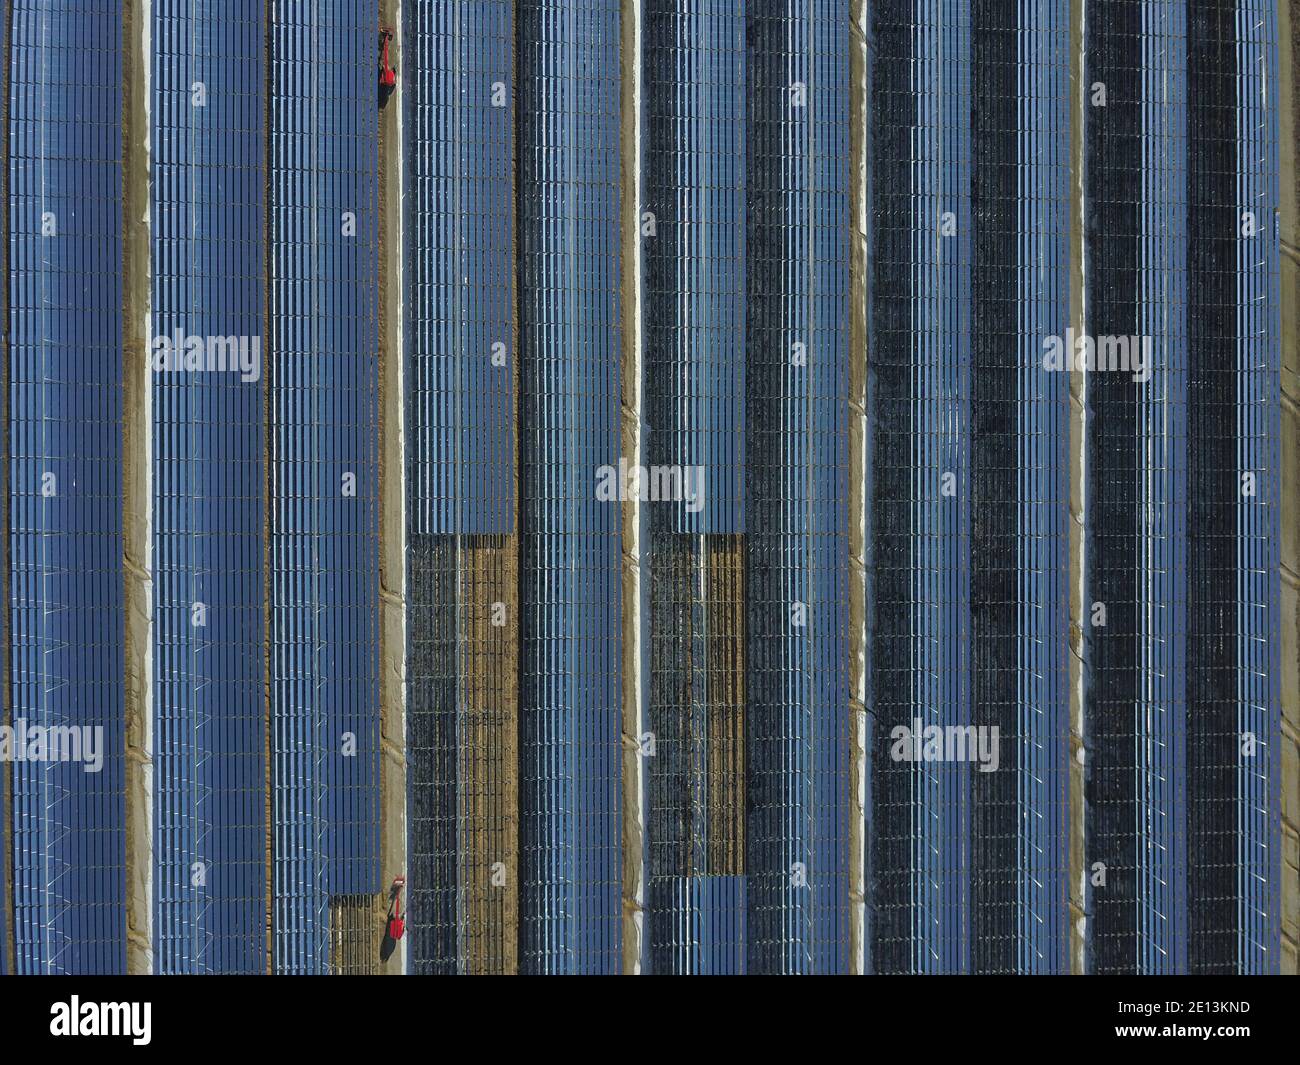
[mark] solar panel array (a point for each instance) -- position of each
(207, 214)
(968, 485)
(796, 467)
(623, 289)
(462, 545)
(323, 476)
(694, 299)
(567, 103)
(1183, 692)
(65, 906)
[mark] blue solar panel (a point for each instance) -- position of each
(324, 473)
(968, 487)
(1181, 682)
(206, 210)
(460, 275)
(796, 520)
(570, 746)
(65, 487)
(461, 371)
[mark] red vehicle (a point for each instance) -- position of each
(396, 927)
(387, 75)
